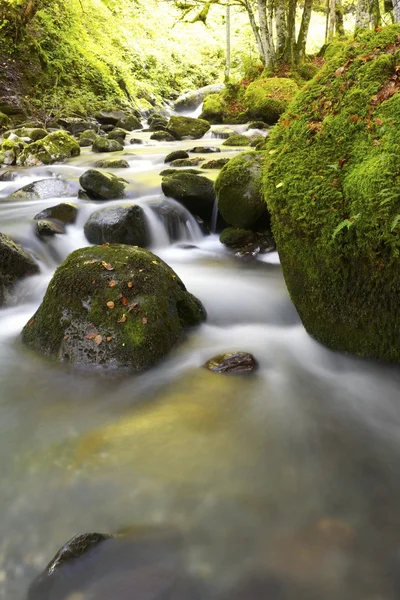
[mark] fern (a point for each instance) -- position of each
(346, 224)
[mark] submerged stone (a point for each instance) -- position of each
(115, 306)
(117, 225)
(102, 186)
(15, 264)
(232, 362)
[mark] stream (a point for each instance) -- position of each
(283, 485)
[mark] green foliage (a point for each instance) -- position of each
(267, 99)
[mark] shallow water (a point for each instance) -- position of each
(289, 476)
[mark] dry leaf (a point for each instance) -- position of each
(130, 284)
(122, 319)
(31, 322)
(109, 338)
(107, 266)
(124, 300)
(112, 283)
(90, 262)
(98, 339)
(110, 304)
(90, 336)
(144, 320)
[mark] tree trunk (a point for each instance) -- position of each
(256, 32)
(339, 23)
(328, 10)
(376, 13)
(291, 34)
(363, 15)
(228, 43)
(332, 14)
(396, 10)
(265, 34)
(303, 32)
(281, 28)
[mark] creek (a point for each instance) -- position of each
(290, 474)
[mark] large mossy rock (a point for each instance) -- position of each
(267, 99)
(195, 192)
(55, 147)
(117, 306)
(102, 186)
(239, 192)
(183, 128)
(332, 184)
(117, 225)
(103, 144)
(15, 264)
(214, 109)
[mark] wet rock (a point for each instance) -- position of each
(118, 225)
(117, 134)
(217, 163)
(46, 228)
(15, 264)
(205, 150)
(177, 154)
(107, 128)
(10, 150)
(223, 132)
(64, 212)
(102, 186)
(186, 162)
(85, 142)
(111, 117)
(88, 134)
(166, 172)
(162, 136)
(129, 123)
(195, 192)
(246, 242)
(183, 128)
(157, 123)
(82, 195)
(102, 144)
(76, 126)
(193, 99)
(238, 189)
(136, 141)
(55, 147)
(33, 133)
(112, 163)
(237, 140)
(258, 125)
(44, 189)
(4, 120)
(232, 362)
(8, 175)
(125, 309)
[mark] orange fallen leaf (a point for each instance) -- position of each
(124, 300)
(144, 320)
(107, 266)
(98, 339)
(110, 304)
(112, 283)
(122, 319)
(130, 284)
(109, 338)
(66, 337)
(31, 322)
(90, 336)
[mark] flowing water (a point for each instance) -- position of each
(282, 485)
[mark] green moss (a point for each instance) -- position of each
(4, 120)
(9, 151)
(267, 99)
(112, 163)
(102, 144)
(34, 133)
(150, 307)
(102, 186)
(332, 184)
(14, 265)
(187, 128)
(216, 163)
(214, 108)
(234, 237)
(88, 134)
(55, 147)
(237, 140)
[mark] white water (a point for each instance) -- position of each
(290, 475)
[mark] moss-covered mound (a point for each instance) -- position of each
(237, 140)
(15, 264)
(117, 306)
(238, 189)
(183, 128)
(195, 192)
(55, 147)
(226, 106)
(332, 184)
(267, 99)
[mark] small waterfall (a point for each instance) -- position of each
(214, 216)
(169, 222)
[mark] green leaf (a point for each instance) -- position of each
(395, 222)
(347, 223)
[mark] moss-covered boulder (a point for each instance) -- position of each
(88, 134)
(267, 99)
(118, 225)
(162, 136)
(237, 140)
(102, 186)
(175, 155)
(9, 151)
(166, 172)
(116, 306)
(102, 144)
(15, 264)
(33, 133)
(332, 184)
(226, 106)
(110, 117)
(238, 189)
(187, 128)
(214, 108)
(186, 162)
(112, 163)
(129, 123)
(245, 242)
(4, 120)
(216, 163)
(55, 147)
(195, 192)
(66, 213)
(117, 134)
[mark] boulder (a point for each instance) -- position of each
(4, 120)
(332, 187)
(33, 133)
(125, 309)
(245, 242)
(223, 133)
(117, 134)
(85, 142)
(65, 213)
(258, 125)
(267, 99)
(124, 224)
(195, 192)
(237, 140)
(112, 163)
(175, 155)
(102, 186)
(9, 152)
(47, 228)
(76, 125)
(44, 189)
(214, 108)
(55, 147)
(110, 117)
(162, 136)
(166, 172)
(88, 134)
(217, 163)
(129, 123)
(238, 189)
(186, 162)
(15, 264)
(194, 98)
(205, 150)
(102, 144)
(8, 175)
(157, 123)
(232, 362)
(183, 128)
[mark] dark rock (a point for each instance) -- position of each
(111, 117)
(167, 172)
(232, 362)
(175, 155)
(112, 163)
(45, 228)
(136, 141)
(89, 134)
(44, 189)
(64, 212)
(186, 162)
(218, 163)
(223, 133)
(34, 133)
(162, 136)
(195, 192)
(130, 123)
(11, 106)
(157, 123)
(76, 126)
(129, 325)
(107, 128)
(82, 195)
(118, 225)
(15, 264)
(246, 242)
(85, 142)
(187, 128)
(205, 150)
(8, 175)
(102, 144)
(102, 186)
(258, 125)
(117, 134)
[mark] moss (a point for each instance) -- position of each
(102, 186)
(55, 147)
(175, 155)
(214, 108)
(112, 163)
(167, 172)
(216, 163)
(238, 189)
(15, 264)
(9, 151)
(187, 128)
(34, 133)
(237, 140)
(332, 184)
(4, 120)
(77, 323)
(162, 136)
(102, 144)
(88, 134)
(186, 162)
(267, 99)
